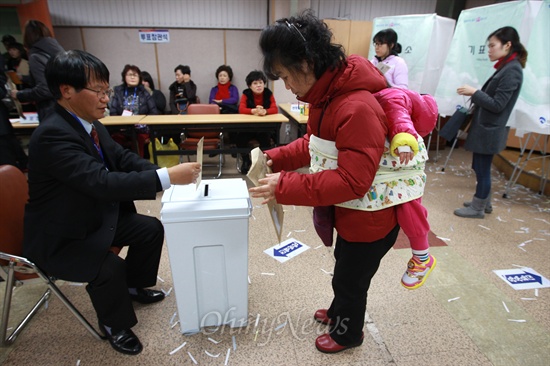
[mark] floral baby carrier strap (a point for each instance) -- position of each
(394, 183)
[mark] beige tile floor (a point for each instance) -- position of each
(403, 327)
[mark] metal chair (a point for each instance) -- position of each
(213, 140)
(14, 195)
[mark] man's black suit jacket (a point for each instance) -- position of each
(71, 217)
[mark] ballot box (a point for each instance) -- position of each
(206, 232)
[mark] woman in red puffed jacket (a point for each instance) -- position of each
(346, 125)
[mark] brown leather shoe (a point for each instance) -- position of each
(326, 344)
(322, 317)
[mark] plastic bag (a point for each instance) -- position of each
(165, 161)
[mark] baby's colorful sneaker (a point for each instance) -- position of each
(417, 272)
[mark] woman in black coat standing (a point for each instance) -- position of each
(42, 46)
(493, 105)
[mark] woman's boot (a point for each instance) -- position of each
(488, 205)
(475, 210)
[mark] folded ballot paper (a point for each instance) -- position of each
(258, 170)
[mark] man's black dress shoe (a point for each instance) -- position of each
(123, 341)
(147, 296)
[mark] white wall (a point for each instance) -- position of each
(109, 30)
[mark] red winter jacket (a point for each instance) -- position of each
(356, 122)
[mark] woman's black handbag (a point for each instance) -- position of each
(458, 121)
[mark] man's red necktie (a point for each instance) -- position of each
(95, 137)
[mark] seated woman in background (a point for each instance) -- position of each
(131, 98)
(387, 60)
(157, 95)
(225, 94)
(19, 63)
(259, 101)
(183, 91)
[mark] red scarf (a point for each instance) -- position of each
(223, 91)
(503, 61)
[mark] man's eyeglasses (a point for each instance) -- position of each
(131, 74)
(101, 94)
(293, 26)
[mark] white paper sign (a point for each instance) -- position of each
(287, 249)
(154, 36)
(523, 278)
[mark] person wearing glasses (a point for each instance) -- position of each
(387, 58)
(131, 97)
(82, 185)
(343, 146)
(42, 46)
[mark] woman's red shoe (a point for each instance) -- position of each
(326, 344)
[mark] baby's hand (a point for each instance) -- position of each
(405, 154)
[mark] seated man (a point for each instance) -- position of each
(80, 211)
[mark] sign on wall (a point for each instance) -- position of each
(154, 36)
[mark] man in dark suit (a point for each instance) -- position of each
(81, 210)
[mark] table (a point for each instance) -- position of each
(122, 120)
(110, 122)
(210, 122)
(295, 117)
(107, 121)
(202, 122)
(24, 127)
(114, 123)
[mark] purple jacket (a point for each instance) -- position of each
(233, 95)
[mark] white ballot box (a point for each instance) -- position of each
(207, 238)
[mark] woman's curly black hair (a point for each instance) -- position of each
(291, 41)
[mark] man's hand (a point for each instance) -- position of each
(185, 173)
